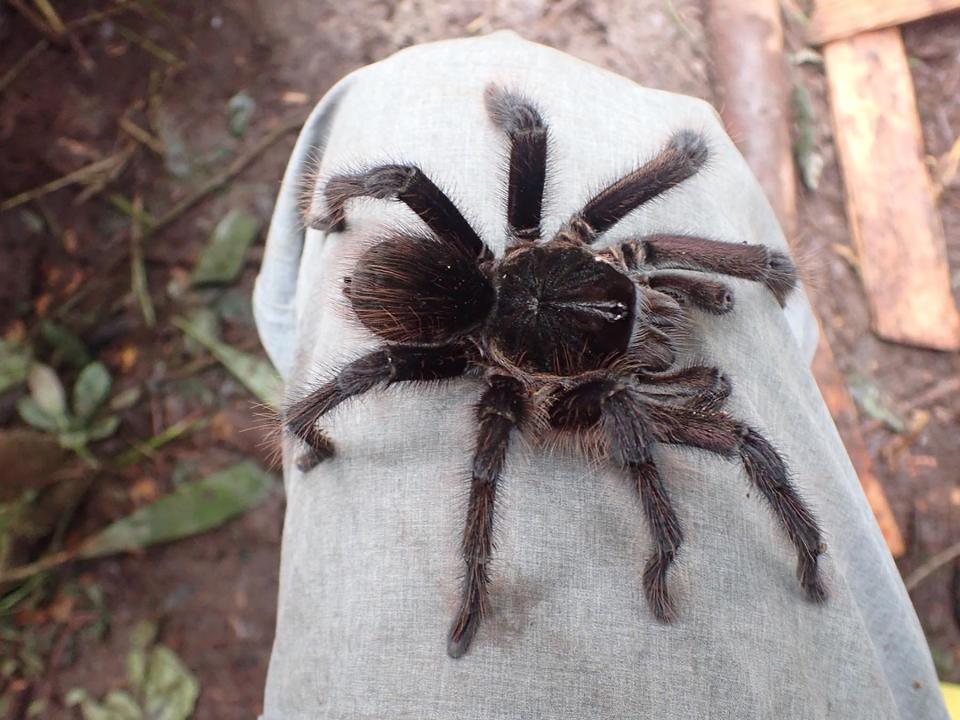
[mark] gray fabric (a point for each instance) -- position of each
(370, 570)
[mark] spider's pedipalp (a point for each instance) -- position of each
(522, 123)
(408, 184)
(718, 433)
(684, 154)
(394, 363)
(502, 408)
(709, 295)
(750, 262)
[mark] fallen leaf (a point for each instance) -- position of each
(871, 400)
(192, 508)
(257, 375)
(223, 257)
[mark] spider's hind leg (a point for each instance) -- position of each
(528, 159)
(502, 408)
(615, 408)
(719, 433)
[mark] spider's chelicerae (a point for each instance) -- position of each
(567, 339)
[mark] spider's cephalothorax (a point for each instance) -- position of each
(585, 339)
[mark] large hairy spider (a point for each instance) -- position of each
(567, 338)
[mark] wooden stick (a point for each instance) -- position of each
(839, 19)
(747, 40)
(895, 225)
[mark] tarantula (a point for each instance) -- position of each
(567, 338)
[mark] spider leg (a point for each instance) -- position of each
(528, 159)
(709, 295)
(616, 409)
(698, 386)
(391, 364)
(751, 262)
(502, 408)
(719, 433)
(408, 184)
(684, 154)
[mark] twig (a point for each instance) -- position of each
(42, 565)
(126, 207)
(149, 46)
(22, 63)
(931, 566)
(146, 448)
(141, 135)
(222, 178)
(85, 174)
(50, 15)
(138, 271)
(38, 22)
(97, 185)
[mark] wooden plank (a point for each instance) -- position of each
(838, 19)
(895, 225)
(844, 412)
(747, 46)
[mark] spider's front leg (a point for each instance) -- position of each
(391, 364)
(410, 185)
(616, 409)
(685, 153)
(502, 407)
(719, 433)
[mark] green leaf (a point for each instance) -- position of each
(103, 428)
(91, 390)
(14, 363)
(223, 257)
(32, 414)
(143, 635)
(240, 110)
(47, 392)
(117, 705)
(65, 344)
(73, 439)
(257, 375)
(126, 399)
(193, 508)
(170, 691)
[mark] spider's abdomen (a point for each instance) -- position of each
(410, 289)
(561, 310)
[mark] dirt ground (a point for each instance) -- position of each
(173, 71)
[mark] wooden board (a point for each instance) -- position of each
(844, 412)
(895, 225)
(838, 19)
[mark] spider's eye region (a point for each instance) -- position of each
(561, 312)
